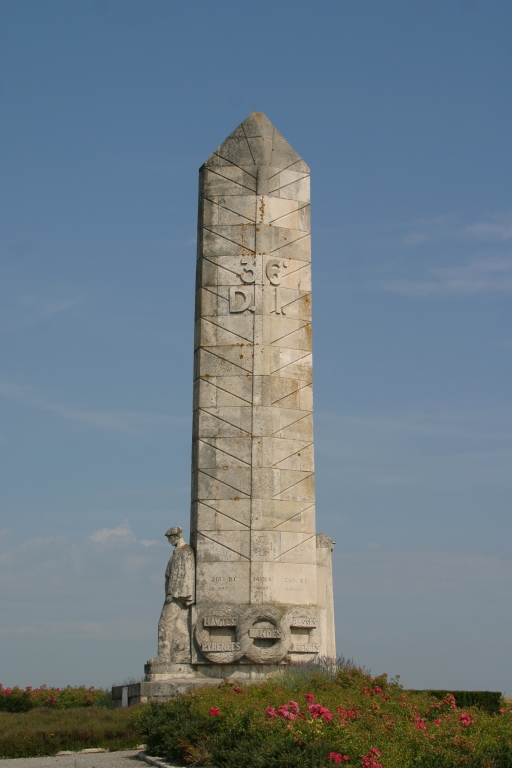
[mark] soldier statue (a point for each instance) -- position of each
(174, 624)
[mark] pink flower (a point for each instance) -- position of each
(283, 711)
(437, 722)
(465, 720)
(352, 714)
(377, 689)
(318, 711)
(335, 757)
(309, 698)
(369, 760)
(214, 711)
(450, 700)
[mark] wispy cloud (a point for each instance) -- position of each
(104, 534)
(453, 254)
(481, 275)
(32, 308)
(399, 453)
(495, 227)
(133, 423)
(480, 423)
(492, 228)
(49, 308)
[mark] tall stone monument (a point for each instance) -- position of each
(263, 580)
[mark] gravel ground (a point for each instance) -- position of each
(128, 759)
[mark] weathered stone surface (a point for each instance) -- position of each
(253, 513)
(263, 577)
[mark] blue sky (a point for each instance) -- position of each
(403, 112)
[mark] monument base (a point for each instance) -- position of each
(163, 669)
(160, 670)
(166, 681)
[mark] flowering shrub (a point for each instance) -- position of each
(351, 719)
(22, 700)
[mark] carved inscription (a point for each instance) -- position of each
(302, 622)
(305, 647)
(223, 578)
(219, 647)
(273, 270)
(262, 633)
(241, 297)
(249, 267)
(219, 621)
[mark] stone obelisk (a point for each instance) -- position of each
(263, 583)
(262, 575)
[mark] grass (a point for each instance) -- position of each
(46, 731)
(320, 713)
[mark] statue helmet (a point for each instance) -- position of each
(174, 531)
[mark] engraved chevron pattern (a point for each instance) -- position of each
(253, 512)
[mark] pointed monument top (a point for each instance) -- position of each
(256, 142)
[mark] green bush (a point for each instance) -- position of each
(348, 718)
(46, 731)
(490, 701)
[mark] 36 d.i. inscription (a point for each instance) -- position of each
(244, 297)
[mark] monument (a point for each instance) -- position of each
(263, 579)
